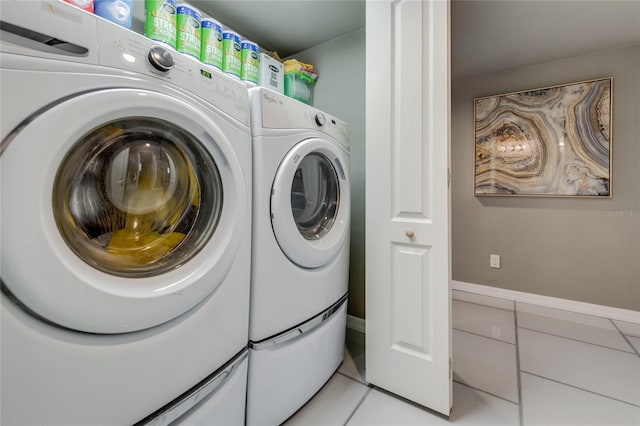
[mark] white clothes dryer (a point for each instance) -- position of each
(125, 226)
(300, 254)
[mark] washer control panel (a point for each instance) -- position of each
(281, 112)
(126, 50)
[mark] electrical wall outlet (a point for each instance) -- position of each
(494, 261)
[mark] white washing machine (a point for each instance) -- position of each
(125, 226)
(300, 254)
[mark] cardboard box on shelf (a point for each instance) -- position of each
(271, 73)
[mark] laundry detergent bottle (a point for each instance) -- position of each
(117, 11)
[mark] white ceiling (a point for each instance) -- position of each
(287, 26)
(487, 36)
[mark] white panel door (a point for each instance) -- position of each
(408, 327)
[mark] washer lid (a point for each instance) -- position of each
(123, 209)
(310, 203)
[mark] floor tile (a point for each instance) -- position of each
(545, 403)
(379, 408)
(601, 370)
(485, 364)
(479, 299)
(583, 372)
(470, 407)
(484, 320)
(635, 341)
(332, 405)
(473, 407)
(628, 328)
(586, 328)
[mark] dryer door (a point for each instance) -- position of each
(121, 210)
(310, 202)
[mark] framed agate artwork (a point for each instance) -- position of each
(551, 142)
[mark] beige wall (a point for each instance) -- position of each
(340, 91)
(578, 249)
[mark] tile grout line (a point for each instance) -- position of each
(520, 401)
(578, 340)
(404, 400)
(352, 379)
(481, 335)
(484, 391)
(357, 406)
(624, 337)
(581, 389)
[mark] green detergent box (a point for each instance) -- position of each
(299, 80)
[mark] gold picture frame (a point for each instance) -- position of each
(552, 142)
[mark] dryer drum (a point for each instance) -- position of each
(133, 197)
(315, 194)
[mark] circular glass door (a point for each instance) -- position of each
(131, 199)
(315, 194)
(122, 208)
(310, 202)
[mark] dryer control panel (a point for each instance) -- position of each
(281, 112)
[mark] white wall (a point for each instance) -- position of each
(340, 91)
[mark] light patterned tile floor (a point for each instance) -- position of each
(563, 369)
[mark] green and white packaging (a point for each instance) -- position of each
(188, 34)
(231, 62)
(211, 42)
(250, 62)
(160, 21)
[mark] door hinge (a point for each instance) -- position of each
(450, 369)
(448, 177)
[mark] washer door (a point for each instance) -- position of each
(310, 203)
(121, 210)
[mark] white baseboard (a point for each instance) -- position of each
(550, 302)
(356, 323)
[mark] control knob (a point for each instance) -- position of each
(161, 59)
(320, 119)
